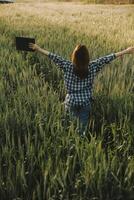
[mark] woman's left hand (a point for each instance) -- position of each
(33, 46)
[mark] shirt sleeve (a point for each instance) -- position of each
(97, 65)
(59, 61)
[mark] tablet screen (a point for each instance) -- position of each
(23, 42)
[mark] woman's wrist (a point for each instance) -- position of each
(121, 53)
(38, 49)
(125, 52)
(43, 51)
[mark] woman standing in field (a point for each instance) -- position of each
(79, 74)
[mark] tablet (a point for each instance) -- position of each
(23, 42)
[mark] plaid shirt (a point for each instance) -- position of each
(79, 91)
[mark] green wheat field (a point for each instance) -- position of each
(41, 155)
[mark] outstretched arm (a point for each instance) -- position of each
(58, 60)
(97, 65)
(129, 50)
(38, 49)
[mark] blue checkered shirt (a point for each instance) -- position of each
(79, 91)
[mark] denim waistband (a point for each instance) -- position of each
(68, 107)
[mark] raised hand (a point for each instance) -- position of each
(38, 49)
(33, 46)
(130, 50)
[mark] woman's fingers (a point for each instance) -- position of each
(31, 45)
(130, 50)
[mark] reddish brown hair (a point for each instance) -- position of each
(80, 59)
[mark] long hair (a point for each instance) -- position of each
(80, 60)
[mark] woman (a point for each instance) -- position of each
(79, 74)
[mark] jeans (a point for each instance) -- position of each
(81, 113)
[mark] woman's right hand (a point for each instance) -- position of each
(129, 50)
(33, 46)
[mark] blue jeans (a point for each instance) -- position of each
(82, 114)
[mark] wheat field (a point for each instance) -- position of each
(42, 156)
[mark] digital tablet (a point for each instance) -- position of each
(23, 42)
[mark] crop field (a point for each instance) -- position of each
(41, 155)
